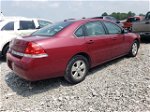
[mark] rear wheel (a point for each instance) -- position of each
(134, 49)
(77, 69)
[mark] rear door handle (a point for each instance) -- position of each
(90, 42)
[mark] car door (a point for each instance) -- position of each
(98, 43)
(7, 32)
(117, 39)
(8, 28)
(142, 26)
(26, 27)
(146, 23)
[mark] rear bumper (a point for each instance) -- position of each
(31, 69)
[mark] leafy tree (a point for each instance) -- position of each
(130, 14)
(141, 14)
(105, 14)
(120, 16)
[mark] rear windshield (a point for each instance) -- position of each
(51, 30)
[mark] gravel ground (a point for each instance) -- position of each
(120, 85)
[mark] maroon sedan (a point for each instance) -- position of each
(70, 49)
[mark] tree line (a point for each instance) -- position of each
(121, 16)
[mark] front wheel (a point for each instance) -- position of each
(134, 49)
(77, 69)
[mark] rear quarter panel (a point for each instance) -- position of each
(61, 50)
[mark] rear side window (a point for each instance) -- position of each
(43, 23)
(80, 32)
(51, 30)
(27, 25)
(94, 29)
(112, 28)
(8, 26)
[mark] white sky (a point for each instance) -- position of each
(60, 10)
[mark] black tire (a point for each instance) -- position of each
(5, 50)
(134, 49)
(74, 73)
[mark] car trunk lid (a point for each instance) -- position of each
(26, 46)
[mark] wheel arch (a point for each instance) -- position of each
(138, 42)
(86, 55)
(4, 47)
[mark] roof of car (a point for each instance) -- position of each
(12, 19)
(83, 19)
(15, 18)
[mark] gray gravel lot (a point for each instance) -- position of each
(120, 85)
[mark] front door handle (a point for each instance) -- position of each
(90, 42)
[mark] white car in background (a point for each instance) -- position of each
(13, 27)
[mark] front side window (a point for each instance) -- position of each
(27, 25)
(94, 29)
(112, 28)
(9, 26)
(51, 30)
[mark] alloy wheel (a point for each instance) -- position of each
(78, 69)
(134, 48)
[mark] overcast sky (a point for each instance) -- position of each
(60, 10)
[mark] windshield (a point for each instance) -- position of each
(51, 30)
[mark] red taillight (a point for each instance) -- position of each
(34, 49)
